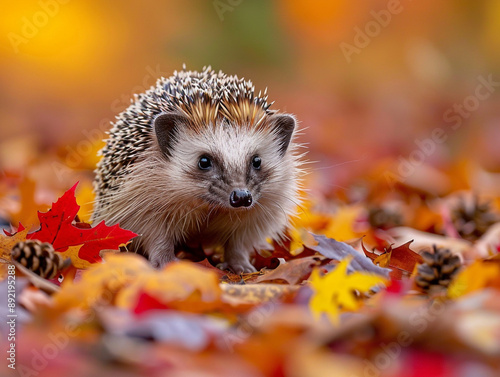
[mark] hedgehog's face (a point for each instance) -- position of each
(229, 166)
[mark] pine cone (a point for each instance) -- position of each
(384, 218)
(472, 219)
(38, 257)
(438, 269)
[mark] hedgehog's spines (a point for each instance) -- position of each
(205, 97)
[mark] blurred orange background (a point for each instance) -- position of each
(368, 79)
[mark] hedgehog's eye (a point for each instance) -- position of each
(204, 163)
(256, 161)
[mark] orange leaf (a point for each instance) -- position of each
(7, 243)
(28, 208)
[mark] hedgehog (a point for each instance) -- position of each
(200, 160)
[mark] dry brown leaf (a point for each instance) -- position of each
(292, 272)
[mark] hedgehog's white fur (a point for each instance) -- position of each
(163, 200)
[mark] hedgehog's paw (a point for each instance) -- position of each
(160, 260)
(159, 264)
(239, 266)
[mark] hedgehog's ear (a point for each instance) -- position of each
(283, 126)
(165, 126)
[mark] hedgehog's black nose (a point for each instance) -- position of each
(240, 198)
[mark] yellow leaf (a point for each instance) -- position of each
(383, 259)
(322, 301)
(335, 290)
(72, 253)
(300, 237)
(363, 282)
(101, 282)
(124, 276)
(305, 222)
(308, 219)
(7, 243)
(478, 275)
(296, 246)
(341, 225)
(182, 285)
(85, 198)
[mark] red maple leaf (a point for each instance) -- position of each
(401, 260)
(56, 227)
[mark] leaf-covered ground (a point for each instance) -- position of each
(397, 281)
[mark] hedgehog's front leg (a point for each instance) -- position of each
(160, 252)
(236, 258)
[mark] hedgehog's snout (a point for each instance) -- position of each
(240, 198)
